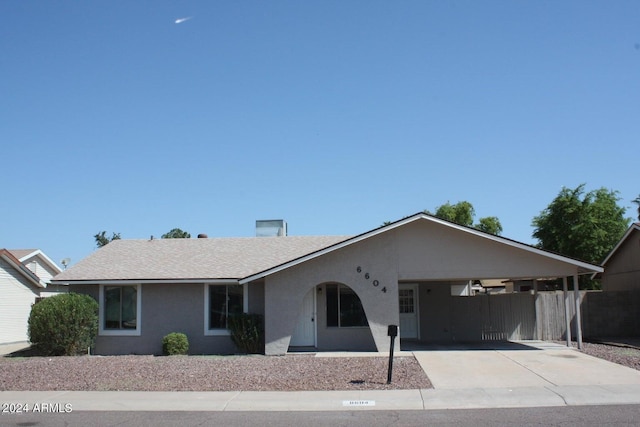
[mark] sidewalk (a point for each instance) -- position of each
(471, 398)
(531, 375)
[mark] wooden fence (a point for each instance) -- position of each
(522, 316)
(493, 317)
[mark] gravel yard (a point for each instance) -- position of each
(235, 373)
(626, 354)
(209, 373)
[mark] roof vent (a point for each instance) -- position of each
(271, 227)
(202, 236)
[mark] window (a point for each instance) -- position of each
(222, 301)
(119, 310)
(406, 301)
(344, 308)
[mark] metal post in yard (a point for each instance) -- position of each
(392, 332)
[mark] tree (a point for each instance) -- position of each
(489, 224)
(581, 225)
(463, 213)
(176, 233)
(102, 239)
(637, 202)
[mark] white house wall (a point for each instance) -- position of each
(17, 297)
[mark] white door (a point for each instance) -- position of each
(305, 333)
(408, 299)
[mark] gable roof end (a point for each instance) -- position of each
(634, 227)
(17, 265)
(583, 267)
(24, 254)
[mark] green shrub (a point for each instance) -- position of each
(175, 343)
(247, 332)
(64, 324)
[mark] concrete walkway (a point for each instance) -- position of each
(515, 375)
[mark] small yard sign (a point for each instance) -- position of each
(358, 403)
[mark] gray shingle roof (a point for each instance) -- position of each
(19, 253)
(185, 259)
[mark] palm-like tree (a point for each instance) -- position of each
(637, 202)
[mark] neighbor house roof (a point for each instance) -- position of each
(24, 254)
(634, 227)
(226, 258)
(14, 262)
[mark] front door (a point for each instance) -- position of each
(408, 302)
(305, 333)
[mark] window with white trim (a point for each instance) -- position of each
(344, 308)
(222, 302)
(120, 310)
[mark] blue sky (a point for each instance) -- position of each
(333, 115)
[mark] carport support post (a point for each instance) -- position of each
(576, 295)
(567, 309)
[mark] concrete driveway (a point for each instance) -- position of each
(518, 364)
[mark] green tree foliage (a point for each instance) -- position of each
(176, 233)
(463, 213)
(489, 224)
(102, 239)
(64, 324)
(581, 225)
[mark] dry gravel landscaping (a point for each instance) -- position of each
(626, 353)
(209, 373)
(237, 373)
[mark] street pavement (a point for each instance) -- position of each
(524, 374)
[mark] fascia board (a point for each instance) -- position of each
(146, 281)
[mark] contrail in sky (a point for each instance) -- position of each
(181, 20)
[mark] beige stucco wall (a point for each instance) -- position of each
(622, 272)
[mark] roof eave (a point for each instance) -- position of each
(144, 281)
